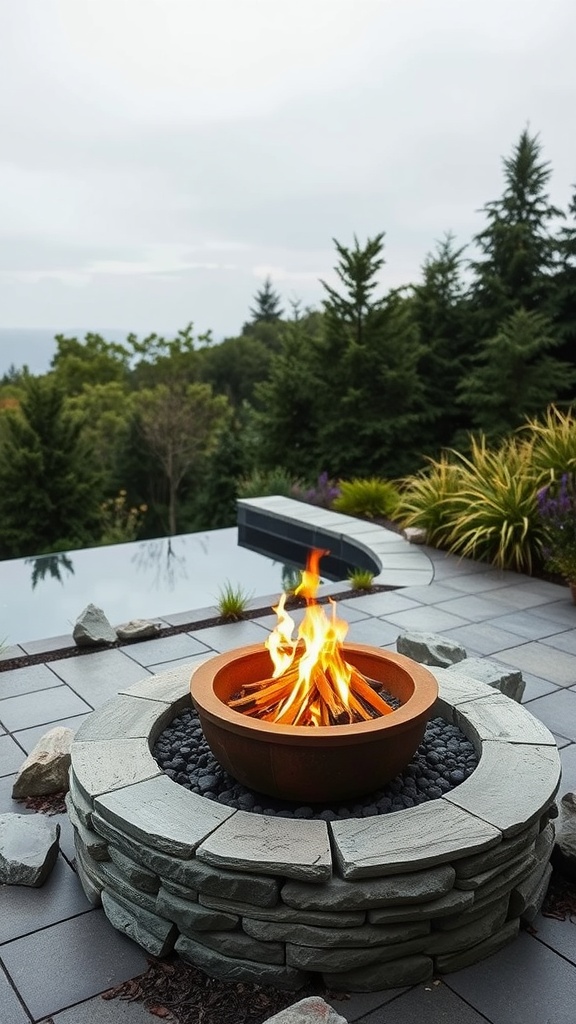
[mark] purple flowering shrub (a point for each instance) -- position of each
(323, 493)
(557, 511)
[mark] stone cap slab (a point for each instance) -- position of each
(429, 834)
(163, 815)
(535, 770)
(103, 765)
(169, 687)
(290, 847)
(126, 717)
(496, 717)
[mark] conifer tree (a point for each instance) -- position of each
(49, 488)
(517, 244)
(371, 402)
(515, 375)
(561, 306)
(267, 304)
(440, 310)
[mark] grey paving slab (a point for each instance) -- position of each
(6, 801)
(524, 982)
(168, 648)
(551, 591)
(354, 1006)
(234, 634)
(536, 687)
(28, 738)
(104, 1011)
(12, 1010)
(96, 677)
(41, 708)
(101, 957)
(11, 755)
(527, 625)
(519, 597)
(347, 609)
(482, 637)
(433, 1002)
(472, 607)
(562, 641)
(561, 742)
(51, 643)
(447, 565)
(568, 759)
(26, 910)
(479, 580)
(557, 666)
(557, 935)
(189, 663)
(429, 620)
(378, 632)
(561, 612)
(404, 577)
(26, 680)
(11, 651)
(380, 604)
(434, 593)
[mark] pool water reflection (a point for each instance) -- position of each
(42, 597)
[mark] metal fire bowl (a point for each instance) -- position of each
(306, 764)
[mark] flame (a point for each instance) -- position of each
(311, 684)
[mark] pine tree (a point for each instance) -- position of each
(440, 310)
(562, 299)
(371, 400)
(517, 244)
(49, 489)
(515, 375)
(267, 305)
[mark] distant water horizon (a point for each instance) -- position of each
(35, 347)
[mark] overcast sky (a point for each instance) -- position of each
(158, 158)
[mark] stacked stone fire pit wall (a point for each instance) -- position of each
(367, 903)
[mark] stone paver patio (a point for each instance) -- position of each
(57, 953)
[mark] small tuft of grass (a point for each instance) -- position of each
(361, 579)
(232, 601)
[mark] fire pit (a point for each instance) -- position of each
(307, 718)
(319, 764)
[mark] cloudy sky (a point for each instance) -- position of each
(158, 158)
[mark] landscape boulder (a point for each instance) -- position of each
(484, 670)
(28, 848)
(92, 628)
(415, 534)
(313, 1010)
(138, 629)
(430, 649)
(45, 770)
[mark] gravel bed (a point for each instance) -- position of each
(444, 760)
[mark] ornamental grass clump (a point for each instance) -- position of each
(373, 498)
(557, 511)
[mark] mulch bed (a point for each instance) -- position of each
(560, 900)
(180, 993)
(50, 803)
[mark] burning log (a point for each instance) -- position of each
(312, 684)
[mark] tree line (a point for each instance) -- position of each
(370, 384)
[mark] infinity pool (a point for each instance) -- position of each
(42, 597)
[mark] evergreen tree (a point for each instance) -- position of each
(49, 490)
(286, 418)
(214, 504)
(440, 310)
(267, 305)
(562, 299)
(515, 375)
(517, 244)
(370, 404)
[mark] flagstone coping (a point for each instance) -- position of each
(403, 867)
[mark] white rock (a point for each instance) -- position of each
(415, 534)
(45, 770)
(92, 627)
(308, 1011)
(137, 629)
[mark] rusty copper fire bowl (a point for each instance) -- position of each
(313, 765)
